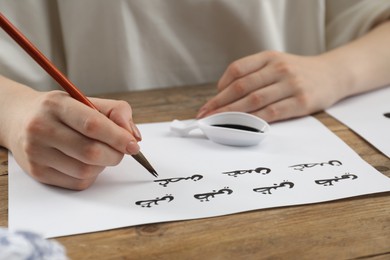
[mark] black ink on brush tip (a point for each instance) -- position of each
(239, 127)
(387, 115)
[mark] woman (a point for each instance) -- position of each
(276, 59)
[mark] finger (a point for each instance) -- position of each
(81, 148)
(239, 89)
(45, 133)
(284, 109)
(260, 98)
(97, 126)
(68, 165)
(243, 67)
(242, 87)
(53, 177)
(119, 112)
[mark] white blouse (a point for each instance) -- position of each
(120, 45)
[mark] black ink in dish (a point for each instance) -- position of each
(239, 127)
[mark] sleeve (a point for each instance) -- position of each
(39, 22)
(347, 20)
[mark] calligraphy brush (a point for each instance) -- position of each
(64, 82)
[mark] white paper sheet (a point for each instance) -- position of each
(365, 114)
(300, 162)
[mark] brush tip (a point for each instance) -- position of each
(153, 172)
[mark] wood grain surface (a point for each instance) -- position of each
(354, 228)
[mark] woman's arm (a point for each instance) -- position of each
(277, 86)
(60, 141)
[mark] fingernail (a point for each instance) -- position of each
(132, 147)
(136, 132)
(201, 112)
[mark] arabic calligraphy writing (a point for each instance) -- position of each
(149, 203)
(236, 173)
(301, 167)
(165, 182)
(206, 196)
(267, 190)
(330, 182)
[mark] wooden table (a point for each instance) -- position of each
(344, 229)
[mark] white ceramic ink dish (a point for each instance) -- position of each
(227, 128)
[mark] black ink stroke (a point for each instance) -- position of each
(301, 167)
(330, 182)
(149, 203)
(267, 190)
(206, 196)
(165, 182)
(387, 115)
(236, 173)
